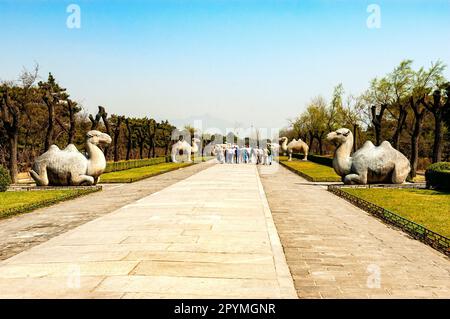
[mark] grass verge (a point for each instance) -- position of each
(311, 171)
(13, 203)
(137, 174)
(428, 208)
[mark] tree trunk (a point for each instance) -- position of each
(415, 137)
(149, 153)
(311, 140)
(377, 120)
(116, 138)
(141, 149)
(319, 140)
(13, 141)
(72, 124)
(151, 148)
(399, 129)
(415, 146)
(355, 137)
(107, 127)
(437, 108)
(51, 124)
(437, 145)
(166, 150)
(129, 139)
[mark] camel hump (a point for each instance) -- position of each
(71, 148)
(53, 148)
(368, 144)
(386, 144)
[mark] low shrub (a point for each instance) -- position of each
(5, 179)
(438, 176)
(319, 159)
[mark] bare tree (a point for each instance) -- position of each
(437, 107)
(13, 103)
(424, 81)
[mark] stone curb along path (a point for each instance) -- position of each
(210, 235)
(336, 250)
(24, 231)
(283, 274)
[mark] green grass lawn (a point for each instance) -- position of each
(419, 179)
(281, 158)
(136, 174)
(428, 208)
(313, 171)
(12, 203)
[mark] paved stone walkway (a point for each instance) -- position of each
(24, 231)
(335, 250)
(210, 235)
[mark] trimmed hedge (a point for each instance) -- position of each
(438, 176)
(5, 179)
(122, 180)
(123, 165)
(319, 159)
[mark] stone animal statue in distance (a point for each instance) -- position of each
(294, 146)
(185, 148)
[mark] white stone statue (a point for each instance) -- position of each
(185, 148)
(294, 146)
(370, 164)
(219, 151)
(69, 167)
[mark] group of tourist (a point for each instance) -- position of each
(233, 154)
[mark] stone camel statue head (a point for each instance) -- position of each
(97, 137)
(340, 136)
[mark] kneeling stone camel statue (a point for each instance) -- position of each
(69, 167)
(294, 146)
(185, 148)
(370, 164)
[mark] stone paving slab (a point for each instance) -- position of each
(336, 250)
(211, 234)
(21, 232)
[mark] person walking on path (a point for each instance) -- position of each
(269, 154)
(245, 154)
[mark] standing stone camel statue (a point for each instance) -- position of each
(185, 148)
(68, 167)
(294, 146)
(370, 164)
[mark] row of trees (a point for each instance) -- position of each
(410, 108)
(36, 114)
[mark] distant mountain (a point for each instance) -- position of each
(207, 123)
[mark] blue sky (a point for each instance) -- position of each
(251, 62)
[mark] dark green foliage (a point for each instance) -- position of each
(5, 179)
(319, 159)
(438, 176)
